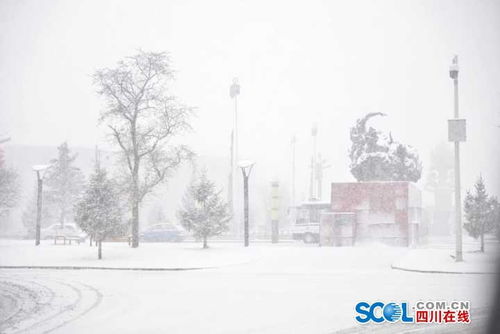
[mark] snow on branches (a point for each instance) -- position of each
(375, 156)
(143, 118)
(204, 212)
(481, 212)
(98, 213)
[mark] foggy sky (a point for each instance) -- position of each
(298, 63)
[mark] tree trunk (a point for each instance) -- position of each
(135, 183)
(135, 207)
(90, 240)
(205, 244)
(482, 242)
(135, 224)
(99, 250)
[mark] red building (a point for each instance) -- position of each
(387, 212)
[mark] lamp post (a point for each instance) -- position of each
(314, 134)
(246, 169)
(275, 233)
(293, 143)
(456, 133)
(234, 91)
(40, 173)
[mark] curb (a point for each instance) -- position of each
(442, 272)
(105, 268)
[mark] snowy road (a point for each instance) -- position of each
(291, 289)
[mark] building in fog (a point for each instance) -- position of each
(387, 212)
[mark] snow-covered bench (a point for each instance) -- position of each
(64, 238)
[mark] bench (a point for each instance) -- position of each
(127, 239)
(64, 238)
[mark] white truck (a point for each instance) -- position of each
(305, 220)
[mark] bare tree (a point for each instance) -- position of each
(143, 118)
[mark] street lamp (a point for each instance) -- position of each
(456, 134)
(234, 91)
(40, 171)
(246, 169)
(314, 134)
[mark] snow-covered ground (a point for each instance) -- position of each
(120, 255)
(438, 255)
(284, 288)
(442, 260)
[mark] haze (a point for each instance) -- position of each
(298, 63)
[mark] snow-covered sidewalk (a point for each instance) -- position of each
(116, 255)
(440, 258)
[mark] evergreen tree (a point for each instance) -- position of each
(377, 157)
(64, 184)
(9, 187)
(204, 212)
(481, 212)
(98, 213)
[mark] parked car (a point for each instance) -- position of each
(69, 230)
(163, 232)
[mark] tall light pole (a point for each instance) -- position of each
(456, 133)
(320, 166)
(275, 198)
(234, 91)
(40, 173)
(314, 134)
(246, 169)
(293, 143)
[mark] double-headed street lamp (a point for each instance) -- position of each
(246, 169)
(40, 171)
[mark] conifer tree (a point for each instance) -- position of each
(204, 212)
(481, 212)
(98, 213)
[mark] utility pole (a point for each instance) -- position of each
(230, 198)
(314, 134)
(234, 91)
(320, 166)
(311, 180)
(456, 133)
(293, 142)
(275, 212)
